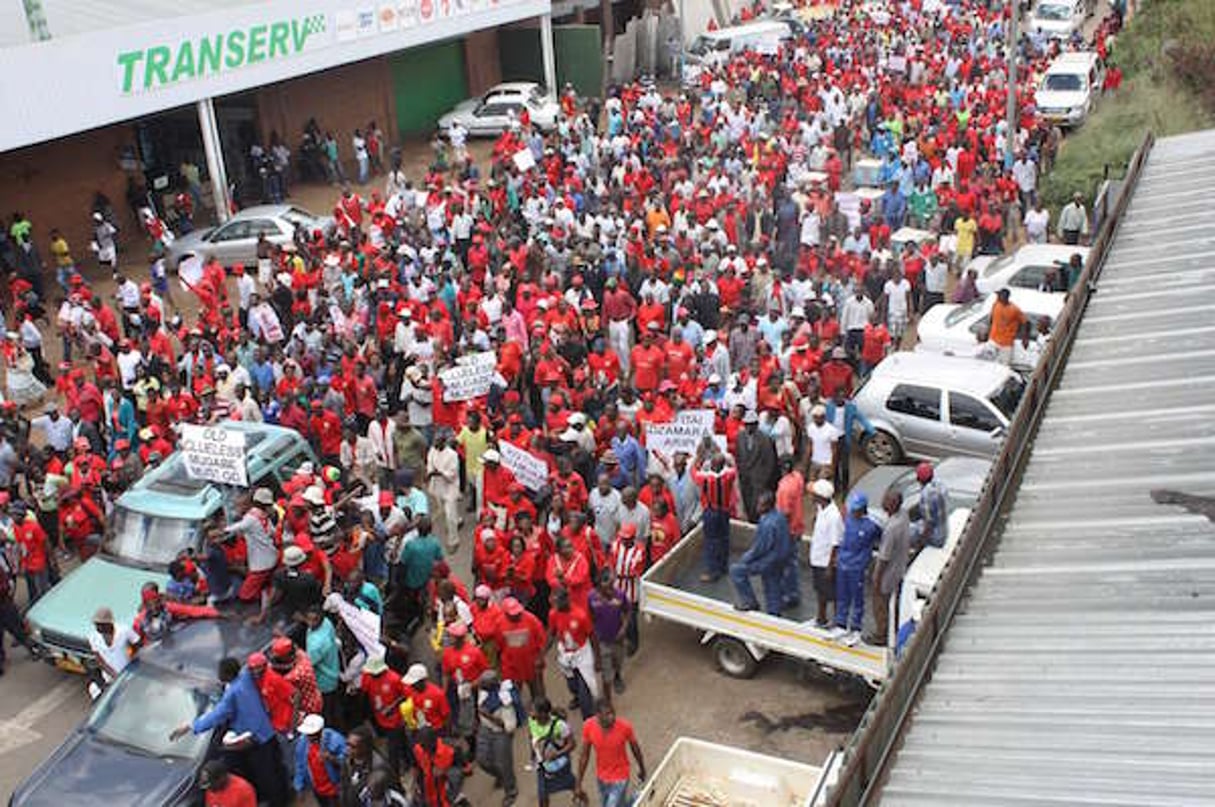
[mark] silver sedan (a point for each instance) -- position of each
(235, 241)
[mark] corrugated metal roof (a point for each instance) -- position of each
(1082, 668)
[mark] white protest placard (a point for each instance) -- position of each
(524, 160)
(190, 270)
(466, 381)
(485, 358)
(703, 418)
(530, 470)
(214, 454)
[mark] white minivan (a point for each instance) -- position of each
(1069, 89)
(714, 48)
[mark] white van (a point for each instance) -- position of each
(1069, 89)
(714, 48)
(1059, 19)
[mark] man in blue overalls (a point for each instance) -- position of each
(768, 556)
(861, 534)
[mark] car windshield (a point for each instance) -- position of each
(1053, 11)
(294, 216)
(538, 95)
(149, 539)
(998, 265)
(963, 312)
(1008, 396)
(700, 46)
(1063, 82)
(143, 706)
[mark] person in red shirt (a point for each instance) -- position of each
(321, 751)
(224, 789)
(570, 570)
(679, 355)
(573, 633)
(462, 663)
(836, 374)
(522, 640)
(664, 530)
(604, 364)
(280, 698)
(487, 619)
(609, 736)
(438, 775)
(874, 345)
(647, 361)
(326, 429)
(35, 551)
(430, 705)
(385, 693)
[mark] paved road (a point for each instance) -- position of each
(673, 690)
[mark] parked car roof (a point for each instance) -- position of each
(974, 375)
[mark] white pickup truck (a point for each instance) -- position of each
(672, 590)
(695, 773)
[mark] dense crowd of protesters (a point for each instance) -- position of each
(682, 251)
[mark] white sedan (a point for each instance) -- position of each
(1026, 268)
(955, 330)
(492, 113)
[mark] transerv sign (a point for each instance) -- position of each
(160, 66)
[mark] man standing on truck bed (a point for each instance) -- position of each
(855, 552)
(768, 557)
(716, 483)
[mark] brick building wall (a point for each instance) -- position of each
(341, 99)
(53, 184)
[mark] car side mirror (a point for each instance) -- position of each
(999, 432)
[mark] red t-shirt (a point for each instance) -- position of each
(277, 693)
(647, 367)
(611, 748)
(522, 645)
(33, 544)
(321, 783)
(431, 703)
(572, 628)
(236, 793)
(464, 663)
(383, 691)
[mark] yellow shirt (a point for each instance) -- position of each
(474, 443)
(61, 251)
(966, 230)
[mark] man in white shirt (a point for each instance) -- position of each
(1037, 223)
(822, 439)
(824, 541)
(855, 314)
(1025, 172)
(898, 305)
(112, 644)
(128, 359)
(58, 429)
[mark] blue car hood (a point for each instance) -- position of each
(86, 770)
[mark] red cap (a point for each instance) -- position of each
(512, 607)
(256, 661)
(282, 647)
(386, 498)
(457, 629)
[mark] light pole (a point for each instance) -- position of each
(1012, 46)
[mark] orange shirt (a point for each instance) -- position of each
(1006, 320)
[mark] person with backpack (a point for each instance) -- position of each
(552, 750)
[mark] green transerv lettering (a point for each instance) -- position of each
(127, 62)
(279, 32)
(211, 54)
(209, 50)
(157, 61)
(257, 44)
(184, 67)
(236, 49)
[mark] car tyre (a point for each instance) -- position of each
(882, 449)
(733, 658)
